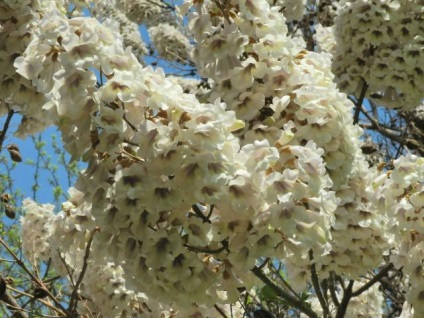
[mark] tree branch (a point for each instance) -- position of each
(374, 280)
(73, 300)
(347, 295)
(11, 304)
(301, 305)
(317, 287)
(359, 102)
(34, 278)
(6, 127)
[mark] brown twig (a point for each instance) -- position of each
(347, 295)
(222, 313)
(317, 287)
(6, 127)
(332, 289)
(374, 280)
(11, 304)
(74, 295)
(359, 102)
(34, 278)
(301, 305)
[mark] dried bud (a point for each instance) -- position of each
(10, 211)
(5, 197)
(412, 144)
(40, 292)
(2, 286)
(368, 148)
(13, 147)
(14, 153)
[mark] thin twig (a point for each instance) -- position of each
(11, 304)
(317, 287)
(199, 213)
(34, 278)
(45, 303)
(374, 280)
(347, 295)
(6, 127)
(360, 101)
(73, 300)
(332, 288)
(301, 305)
(220, 311)
(285, 283)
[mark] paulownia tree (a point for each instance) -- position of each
(243, 158)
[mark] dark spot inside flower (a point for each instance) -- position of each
(143, 217)
(217, 44)
(131, 245)
(142, 264)
(190, 170)
(418, 71)
(195, 229)
(227, 84)
(413, 53)
(264, 240)
(162, 244)
(232, 225)
(208, 191)
(286, 213)
(81, 218)
(178, 261)
(215, 167)
(397, 78)
(131, 180)
(131, 202)
(118, 86)
(418, 271)
(278, 80)
(360, 62)
(377, 33)
(236, 191)
(405, 31)
(163, 192)
(421, 295)
(111, 213)
(382, 66)
(364, 8)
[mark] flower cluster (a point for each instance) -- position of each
(170, 42)
(400, 194)
(381, 43)
(36, 227)
(181, 196)
(16, 92)
(128, 29)
(367, 305)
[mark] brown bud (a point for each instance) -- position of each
(368, 148)
(412, 144)
(13, 147)
(5, 197)
(10, 211)
(40, 292)
(2, 286)
(14, 153)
